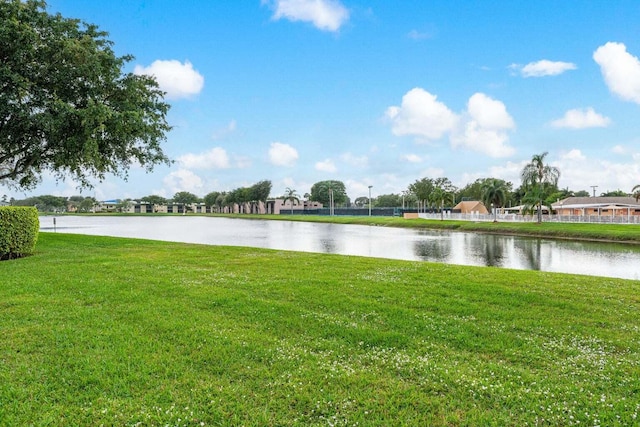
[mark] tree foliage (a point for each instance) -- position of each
(388, 201)
(494, 194)
(44, 203)
(439, 197)
(260, 191)
(361, 201)
(474, 190)
(321, 190)
(292, 196)
(540, 180)
(423, 189)
(185, 198)
(65, 104)
(616, 193)
(124, 205)
(155, 199)
(210, 199)
(81, 203)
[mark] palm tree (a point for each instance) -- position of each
(291, 195)
(439, 196)
(494, 194)
(535, 175)
(636, 192)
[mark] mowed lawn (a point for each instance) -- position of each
(108, 331)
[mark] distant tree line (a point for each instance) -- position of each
(538, 189)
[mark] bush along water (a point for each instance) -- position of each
(18, 231)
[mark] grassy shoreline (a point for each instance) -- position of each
(620, 233)
(98, 330)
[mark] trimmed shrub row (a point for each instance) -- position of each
(19, 228)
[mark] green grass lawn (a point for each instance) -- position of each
(108, 331)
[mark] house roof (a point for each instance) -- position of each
(597, 202)
(520, 208)
(471, 206)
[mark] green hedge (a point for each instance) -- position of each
(19, 228)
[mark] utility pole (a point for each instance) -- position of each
(594, 190)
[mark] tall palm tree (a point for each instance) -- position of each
(636, 192)
(535, 175)
(494, 193)
(291, 195)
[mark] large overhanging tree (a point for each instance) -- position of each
(66, 106)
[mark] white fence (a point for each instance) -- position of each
(592, 219)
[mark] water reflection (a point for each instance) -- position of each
(598, 259)
(530, 251)
(433, 248)
(493, 250)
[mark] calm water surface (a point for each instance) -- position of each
(596, 259)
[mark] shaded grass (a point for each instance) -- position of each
(97, 330)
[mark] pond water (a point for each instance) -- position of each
(596, 259)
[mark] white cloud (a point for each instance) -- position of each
(357, 189)
(433, 172)
(619, 149)
(421, 114)
(225, 131)
(216, 158)
(620, 70)
(282, 154)
(183, 180)
(544, 68)
(356, 161)
(488, 112)
(242, 162)
(326, 15)
(580, 173)
(573, 154)
(326, 166)
(412, 158)
(581, 119)
(509, 172)
(176, 79)
(486, 128)
(483, 127)
(577, 172)
(418, 35)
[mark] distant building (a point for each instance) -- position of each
(284, 206)
(597, 206)
(470, 207)
(275, 206)
(107, 206)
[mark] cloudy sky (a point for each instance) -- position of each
(379, 92)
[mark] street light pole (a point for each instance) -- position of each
(330, 202)
(370, 199)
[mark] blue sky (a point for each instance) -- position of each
(378, 93)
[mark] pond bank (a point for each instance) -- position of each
(619, 233)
